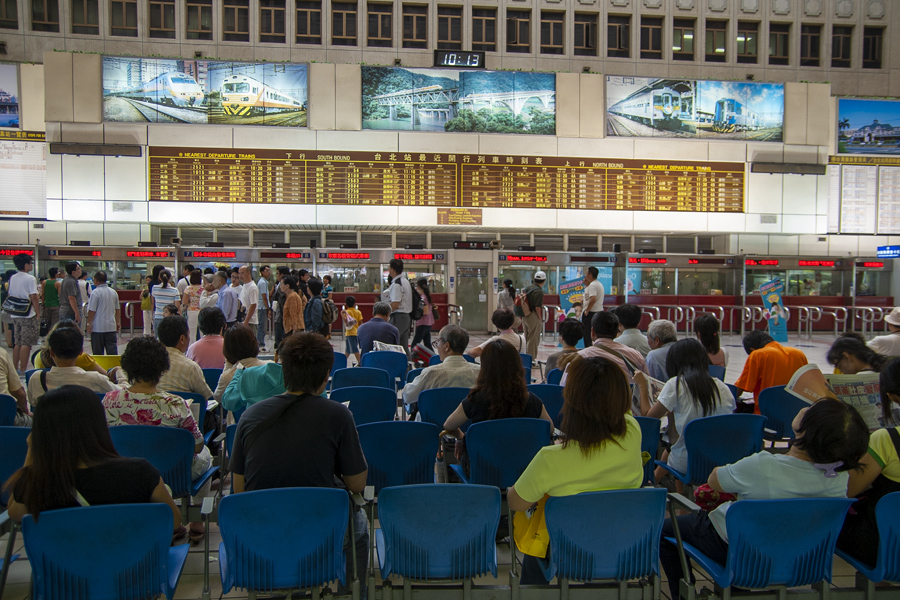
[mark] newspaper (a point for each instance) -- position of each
(861, 391)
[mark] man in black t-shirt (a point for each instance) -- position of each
(302, 439)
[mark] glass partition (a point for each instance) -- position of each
(704, 282)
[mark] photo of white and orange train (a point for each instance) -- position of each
(246, 96)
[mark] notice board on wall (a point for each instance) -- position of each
(23, 171)
(864, 195)
(441, 180)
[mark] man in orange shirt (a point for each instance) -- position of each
(768, 363)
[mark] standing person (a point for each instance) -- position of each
(70, 298)
(84, 286)
(293, 306)
(326, 286)
(227, 301)
(249, 298)
(506, 298)
(532, 301)
(50, 293)
(209, 297)
(352, 319)
(593, 301)
(303, 276)
(401, 299)
(147, 306)
(163, 294)
(186, 271)
(104, 320)
(706, 327)
(312, 313)
(26, 327)
(424, 325)
(277, 301)
(190, 299)
(262, 309)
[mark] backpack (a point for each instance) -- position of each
(330, 312)
(418, 310)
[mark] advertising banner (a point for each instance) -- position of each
(571, 293)
(771, 292)
(9, 96)
(868, 126)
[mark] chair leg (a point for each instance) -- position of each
(373, 555)
(407, 589)
(512, 543)
(467, 589)
(10, 543)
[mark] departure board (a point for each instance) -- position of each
(23, 171)
(441, 180)
(864, 195)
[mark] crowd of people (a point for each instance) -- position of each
(282, 409)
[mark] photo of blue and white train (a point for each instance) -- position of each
(643, 107)
(151, 90)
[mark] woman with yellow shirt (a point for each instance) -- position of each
(600, 449)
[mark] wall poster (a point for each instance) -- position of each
(9, 96)
(868, 126)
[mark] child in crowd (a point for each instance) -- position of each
(352, 320)
(170, 310)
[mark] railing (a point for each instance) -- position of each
(556, 310)
(839, 314)
(455, 310)
(129, 314)
(867, 316)
(807, 316)
(653, 311)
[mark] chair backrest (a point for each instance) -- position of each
(499, 450)
(605, 535)
(554, 376)
(399, 452)
(436, 360)
(759, 552)
(368, 404)
(887, 515)
(734, 391)
(394, 363)
(717, 371)
(552, 397)
(650, 429)
(779, 408)
(340, 362)
(526, 360)
(196, 400)
(169, 449)
(437, 404)
(13, 449)
(358, 376)
(7, 410)
(100, 552)
(265, 547)
(31, 372)
(212, 377)
(229, 438)
(413, 373)
(462, 517)
(720, 440)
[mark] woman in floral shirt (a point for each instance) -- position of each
(144, 361)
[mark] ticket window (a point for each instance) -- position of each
(704, 282)
(757, 278)
(365, 278)
(813, 283)
(522, 277)
(652, 282)
(88, 266)
(872, 283)
(434, 273)
(129, 275)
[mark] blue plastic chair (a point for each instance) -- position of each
(437, 404)
(399, 452)
(527, 362)
(760, 555)
(6, 524)
(104, 552)
(887, 566)
(717, 441)
(436, 359)
(413, 373)
(734, 391)
(717, 371)
(605, 535)
(13, 449)
(499, 450)
(368, 404)
(779, 408)
(340, 362)
(7, 411)
(169, 449)
(650, 429)
(552, 397)
(212, 377)
(202, 402)
(554, 376)
(357, 376)
(266, 547)
(31, 372)
(463, 518)
(395, 363)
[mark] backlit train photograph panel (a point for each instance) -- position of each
(660, 107)
(174, 89)
(257, 94)
(155, 90)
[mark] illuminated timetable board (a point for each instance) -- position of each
(441, 180)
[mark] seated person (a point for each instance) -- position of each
(661, 335)
(499, 393)
(207, 351)
(571, 332)
(706, 327)
(66, 345)
(889, 345)
(247, 380)
(72, 461)
(831, 437)
(43, 360)
(452, 371)
(768, 364)
(503, 320)
(849, 354)
(377, 329)
(11, 385)
(630, 316)
(183, 374)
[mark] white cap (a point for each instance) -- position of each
(894, 317)
(540, 276)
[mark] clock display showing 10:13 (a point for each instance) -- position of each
(459, 59)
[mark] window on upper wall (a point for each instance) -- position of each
(415, 26)
(45, 15)
(651, 37)
(873, 39)
(779, 43)
(841, 41)
(343, 23)
(683, 39)
(199, 20)
(271, 21)
(618, 36)
(309, 22)
(585, 34)
(747, 42)
(123, 18)
(9, 14)
(449, 28)
(715, 41)
(379, 18)
(810, 45)
(162, 19)
(552, 27)
(236, 21)
(86, 17)
(484, 29)
(518, 31)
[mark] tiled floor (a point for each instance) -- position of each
(191, 584)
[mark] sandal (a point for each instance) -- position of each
(197, 531)
(179, 533)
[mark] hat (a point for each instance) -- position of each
(894, 317)
(540, 276)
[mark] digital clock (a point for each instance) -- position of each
(459, 59)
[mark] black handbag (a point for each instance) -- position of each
(17, 307)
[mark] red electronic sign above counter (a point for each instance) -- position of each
(291, 255)
(414, 256)
(647, 261)
(521, 258)
(871, 265)
(148, 254)
(14, 251)
(816, 263)
(762, 262)
(207, 254)
(90, 253)
(346, 255)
